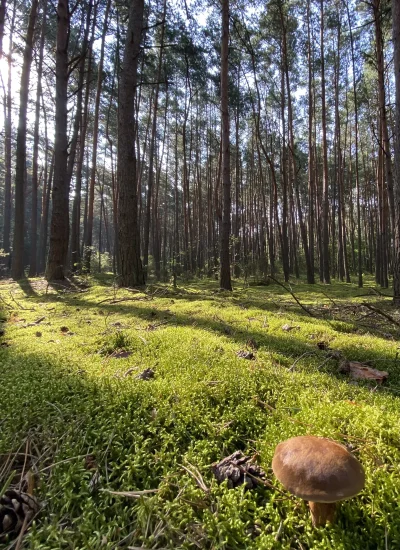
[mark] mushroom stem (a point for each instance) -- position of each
(321, 512)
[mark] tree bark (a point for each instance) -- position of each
(150, 180)
(359, 242)
(17, 268)
(396, 50)
(325, 190)
(384, 135)
(7, 153)
(311, 178)
(80, 128)
(59, 227)
(34, 218)
(89, 229)
(3, 9)
(130, 265)
(225, 280)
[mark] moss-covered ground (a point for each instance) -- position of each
(74, 413)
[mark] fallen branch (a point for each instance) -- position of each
(382, 313)
(330, 299)
(293, 296)
(113, 301)
(5, 303)
(19, 305)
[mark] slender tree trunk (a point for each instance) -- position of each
(89, 230)
(311, 179)
(3, 9)
(295, 185)
(385, 143)
(17, 268)
(237, 243)
(151, 148)
(80, 129)
(34, 218)
(130, 264)
(283, 163)
(176, 259)
(359, 242)
(59, 228)
(225, 280)
(44, 222)
(8, 151)
(325, 192)
(396, 49)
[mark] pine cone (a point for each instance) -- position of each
(238, 469)
(15, 508)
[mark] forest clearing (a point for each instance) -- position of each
(123, 459)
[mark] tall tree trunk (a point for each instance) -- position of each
(225, 281)
(34, 218)
(59, 227)
(325, 188)
(8, 150)
(150, 180)
(89, 230)
(385, 142)
(44, 221)
(3, 9)
(80, 128)
(130, 264)
(283, 164)
(237, 242)
(396, 49)
(311, 174)
(293, 166)
(17, 268)
(359, 242)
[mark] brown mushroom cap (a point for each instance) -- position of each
(317, 469)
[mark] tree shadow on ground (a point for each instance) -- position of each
(288, 345)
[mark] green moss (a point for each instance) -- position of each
(65, 396)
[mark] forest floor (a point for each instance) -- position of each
(75, 411)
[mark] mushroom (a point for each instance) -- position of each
(319, 471)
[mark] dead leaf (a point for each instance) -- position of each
(360, 371)
(64, 329)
